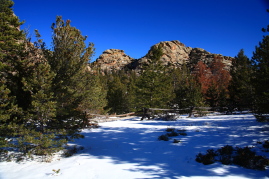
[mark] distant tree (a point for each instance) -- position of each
(154, 86)
(187, 90)
(217, 93)
(95, 98)
(131, 91)
(117, 94)
(202, 75)
(240, 88)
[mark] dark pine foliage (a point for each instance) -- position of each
(240, 88)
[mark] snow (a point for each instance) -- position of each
(129, 149)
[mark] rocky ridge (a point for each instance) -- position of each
(175, 54)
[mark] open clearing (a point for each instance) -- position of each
(129, 148)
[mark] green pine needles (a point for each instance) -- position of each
(46, 94)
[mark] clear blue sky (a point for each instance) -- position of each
(218, 26)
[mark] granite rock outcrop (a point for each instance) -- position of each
(175, 54)
(113, 59)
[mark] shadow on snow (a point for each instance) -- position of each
(138, 144)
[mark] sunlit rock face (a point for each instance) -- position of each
(113, 59)
(175, 54)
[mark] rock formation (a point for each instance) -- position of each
(113, 59)
(198, 54)
(175, 54)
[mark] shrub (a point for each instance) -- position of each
(163, 137)
(244, 157)
(262, 118)
(172, 134)
(226, 150)
(226, 159)
(208, 158)
(169, 129)
(226, 154)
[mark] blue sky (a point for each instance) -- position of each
(218, 26)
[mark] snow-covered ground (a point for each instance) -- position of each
(129, 148)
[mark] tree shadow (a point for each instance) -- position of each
(138, 144)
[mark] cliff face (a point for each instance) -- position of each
(175, 54)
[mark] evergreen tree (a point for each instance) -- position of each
(68, 60)
(131, 94)
(7, 109)
(26, 99)
(95, 98)
(10, 34)
(154, 87)
(240, 88)
(13, 54)
(117, 95)
(38, 84)
(187, 90)
(260, 61)
(13, 68)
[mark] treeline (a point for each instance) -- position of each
(157, 86)
(244, 86)
(48, 94)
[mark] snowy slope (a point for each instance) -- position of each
(130, 149)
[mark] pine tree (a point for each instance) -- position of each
(8, 109)
(240, 88)
(95, 98)
(260, 61)
(10, 34)
(187, 90)
(13, 54)
(13, 68)
(26, 99)
(132, 77)
(117, 95)
(154, 87)
(39, 85)
(68, 60)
